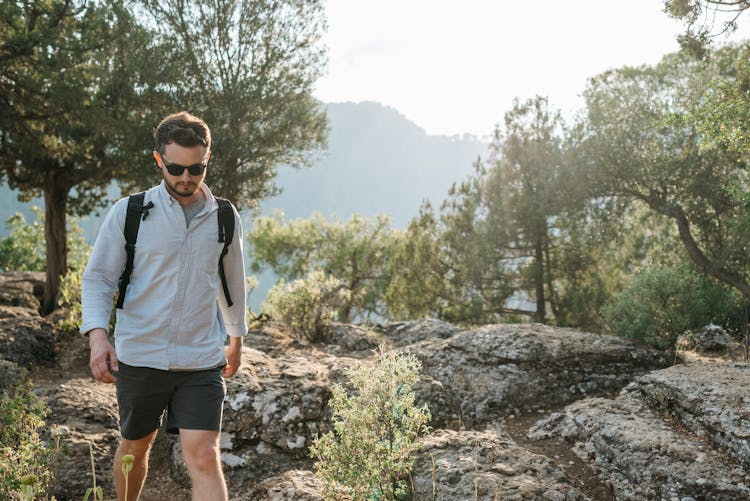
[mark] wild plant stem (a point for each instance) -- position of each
(93, 469)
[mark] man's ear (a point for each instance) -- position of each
(157, 157)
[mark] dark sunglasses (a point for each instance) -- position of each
(177, 169)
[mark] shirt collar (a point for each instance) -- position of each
(169, 199)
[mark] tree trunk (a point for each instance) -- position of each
(548, 277)
(541, 308)
(694, 252)
(55, 236)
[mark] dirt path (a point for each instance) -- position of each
(561, 453)
(71, 369)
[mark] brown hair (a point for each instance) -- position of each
(184, 129)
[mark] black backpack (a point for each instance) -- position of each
(137, 212)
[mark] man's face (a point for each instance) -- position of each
(185, 184)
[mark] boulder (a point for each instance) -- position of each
(28, 341)
(712, 401)
(641, 454)
(17, 312)
(351, 340)
(480, 375)
(712, 341)
(21, 289)
(486, 465)
(406, 333)
(87, 410)
(293, 485)
(275, 406)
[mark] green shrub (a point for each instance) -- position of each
(24, 249)
(307, 305)
(368, 454)
(70, 299)
(660, 304)
(27, 463)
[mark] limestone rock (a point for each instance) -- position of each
(278, 402)
(87, 409)
(27, 341)
(489, 372)
(406, 333)
(274, 407)
(710, 400)
(21, 289)
(711, 340)
(293, 485)
(641, 454)
(486, 465)
(351, 340)
(17, 312)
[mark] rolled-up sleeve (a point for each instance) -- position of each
(234, 269)
(102, 273)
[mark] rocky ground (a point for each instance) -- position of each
(519, 412)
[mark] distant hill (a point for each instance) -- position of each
(377, 162)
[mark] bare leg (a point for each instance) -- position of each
(200, 449)
(140, 449)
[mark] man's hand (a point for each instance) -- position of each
(103, 356)
(234, 357)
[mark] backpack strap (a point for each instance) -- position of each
(226, 233)
(132, 223)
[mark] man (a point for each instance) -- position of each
(170, 334)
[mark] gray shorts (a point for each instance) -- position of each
(193, 400)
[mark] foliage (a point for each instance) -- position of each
(96, 490)
(307, 305)
(445, 266)
(376, 428)
(508, 233)
(356, 253)
(662, 303)
(78, 89)
(723, 116)
(701, 18)
(418, 288)
(80, 93)
(24, 249)
(641, 145)
(248, 69)
(27, 463)
(527, 172)
(70, 298)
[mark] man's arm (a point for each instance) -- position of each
(103, 357)
(234, 356)
(98, 284)
(234, 316)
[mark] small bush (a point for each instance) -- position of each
(661, 304)
(27, 463)
(70, 298)
(376, 429)
(24, 249)
(307, 305)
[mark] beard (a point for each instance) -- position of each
(183, 189)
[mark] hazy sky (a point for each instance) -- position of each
(455, 66)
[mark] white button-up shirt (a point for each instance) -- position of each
(175, 315)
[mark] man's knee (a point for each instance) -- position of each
(138, 448)
(200, 451)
